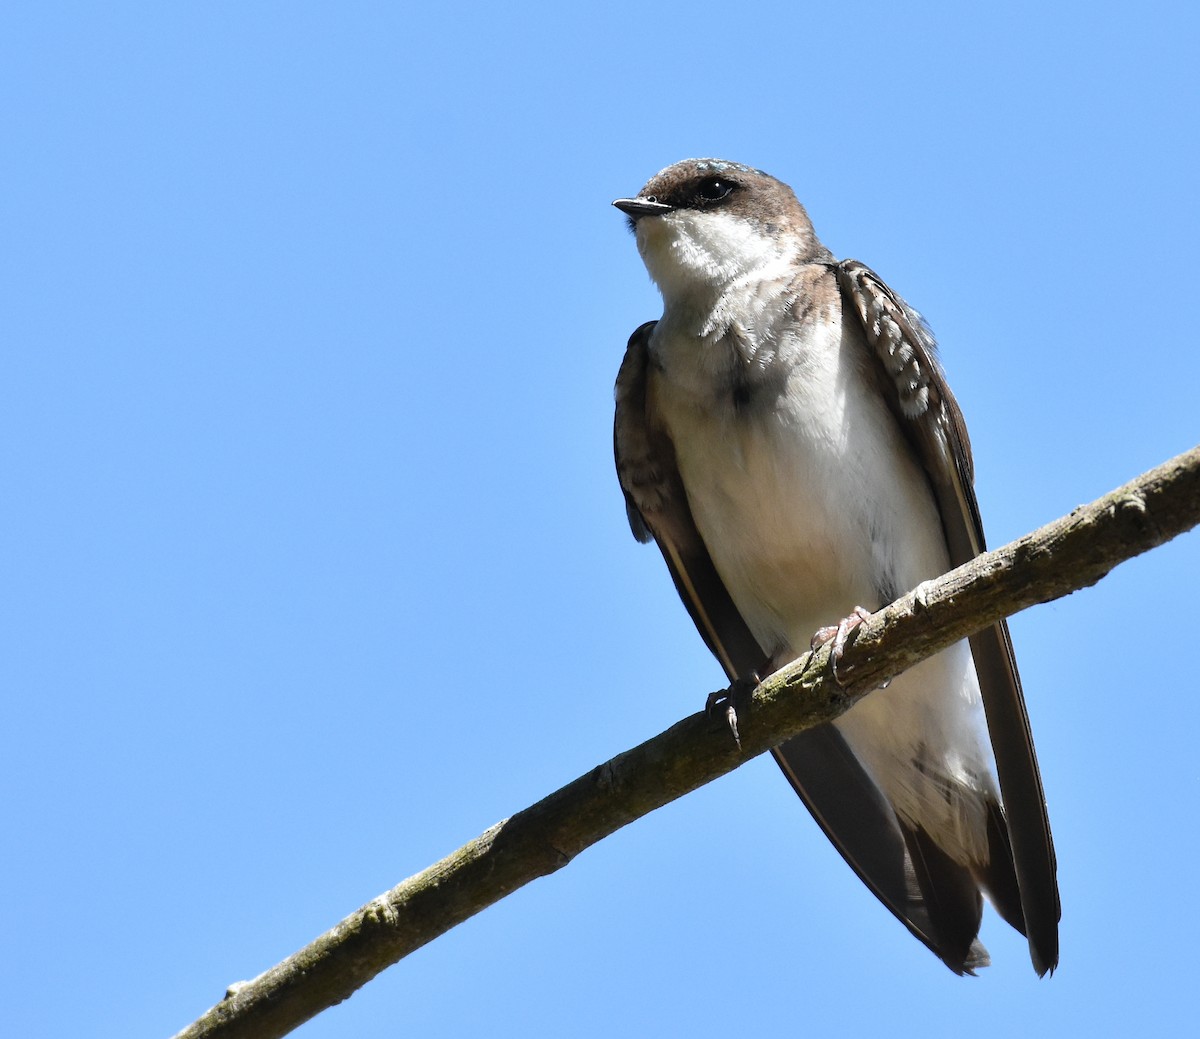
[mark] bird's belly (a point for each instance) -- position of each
(804, 522)
(809, 508)
(792, 561)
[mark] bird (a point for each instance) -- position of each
(785, 433)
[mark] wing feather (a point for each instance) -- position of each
(915, 386)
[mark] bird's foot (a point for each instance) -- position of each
(838, 636)
(725, 698)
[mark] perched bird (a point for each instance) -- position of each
(785, 433)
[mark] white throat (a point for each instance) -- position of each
(696, 259)
(686, 252)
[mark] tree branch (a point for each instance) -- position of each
(1068, 554)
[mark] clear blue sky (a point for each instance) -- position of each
(315, 564)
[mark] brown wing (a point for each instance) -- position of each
(915, 387)
(819, 763)
(657, 506)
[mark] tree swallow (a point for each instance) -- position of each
(786, 435)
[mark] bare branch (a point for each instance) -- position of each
(1071, 553)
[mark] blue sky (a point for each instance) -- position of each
(316, 566)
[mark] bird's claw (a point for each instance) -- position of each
(838, 635)
(738, 687)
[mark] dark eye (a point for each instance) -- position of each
(713, 189)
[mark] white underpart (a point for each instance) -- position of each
(701, 261)
(810, 505)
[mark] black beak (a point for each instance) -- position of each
(638, 207)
